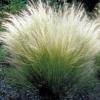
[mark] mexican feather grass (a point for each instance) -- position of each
(52, 49)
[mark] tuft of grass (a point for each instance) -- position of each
(53, 51)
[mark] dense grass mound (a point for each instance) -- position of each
(54, 51)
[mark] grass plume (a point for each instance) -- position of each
(53, 49)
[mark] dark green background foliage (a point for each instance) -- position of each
(12, 5)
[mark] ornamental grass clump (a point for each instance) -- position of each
(53, 51)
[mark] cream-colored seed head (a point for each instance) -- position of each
(65, 39)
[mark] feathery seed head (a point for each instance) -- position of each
(53, 48)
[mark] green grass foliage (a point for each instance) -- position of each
(12, 6)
